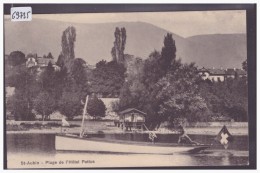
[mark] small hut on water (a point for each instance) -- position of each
(131, 118)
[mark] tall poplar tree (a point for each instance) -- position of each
(119, 45)
(67, 44)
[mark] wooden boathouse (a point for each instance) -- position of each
(131, 118)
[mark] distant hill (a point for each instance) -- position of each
(94, 42)
(217, 50)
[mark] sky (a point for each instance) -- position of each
(185, 24)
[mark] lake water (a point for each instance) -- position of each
(38, 151)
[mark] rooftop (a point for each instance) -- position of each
(216, 71)
(130, 110)
(45, 61)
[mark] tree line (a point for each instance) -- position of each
(167, 89)
(161, 85)
(51, 90)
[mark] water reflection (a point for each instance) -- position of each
(225, 159)
(41, 148)
(124, 160)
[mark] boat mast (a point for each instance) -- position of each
(83, 117)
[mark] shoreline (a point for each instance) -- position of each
(191, 131)
(108, 127)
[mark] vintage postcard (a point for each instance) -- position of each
(128, 89)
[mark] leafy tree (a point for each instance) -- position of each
(107, 78)
(179, 95)
(236, 98)
(47, 79)
(125, 97)
(152, 71)
(24, 79)
(16, 58)
(54, 82)
(77, 71)
(16, 76)
(71, 96)
(119, 45)
(96, 107)
(238, 113)
(51, 83)
(134, 95)
(44, 104)
(70, 104)
(20, 107)
(26, 88)
(61, 82)
(214, 103)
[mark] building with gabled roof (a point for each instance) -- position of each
(39, 63)
(131, 118)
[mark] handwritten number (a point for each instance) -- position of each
(20, 15)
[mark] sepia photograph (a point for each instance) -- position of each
(158, 88)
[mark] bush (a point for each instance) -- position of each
(15, 127)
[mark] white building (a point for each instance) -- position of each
(212, 74)
(220, 74)
(40, 63)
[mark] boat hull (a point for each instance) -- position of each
(70, 143)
